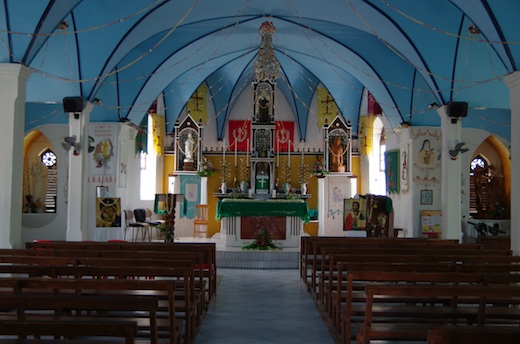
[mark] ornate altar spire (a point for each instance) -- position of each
(267, 67)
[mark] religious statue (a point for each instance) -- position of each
(337, 151)
(188, 148)
(39, 174)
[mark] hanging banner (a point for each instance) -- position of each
(373, 108)
(196, 106)
(427, 157)
(327, 108)
(159, 129)
(392, 171)
(283, 136)
(239, 132)
(190, 187)
(103, 161)
(366, 134)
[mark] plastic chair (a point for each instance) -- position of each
(153, 223)
(201, 222)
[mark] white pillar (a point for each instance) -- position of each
(78, 171)
(13, 79)
(451, 177)
(321, 206)
(203, 190)
(513, 82)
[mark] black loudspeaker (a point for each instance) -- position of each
(73, 104)
(457, 109)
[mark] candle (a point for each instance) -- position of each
(288, 153)
(247, 153)
(302, 154)
(236, 151)
(224, 148)
(277, 153)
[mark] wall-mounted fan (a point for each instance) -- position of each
(69, 142)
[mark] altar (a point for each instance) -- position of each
(242, 218)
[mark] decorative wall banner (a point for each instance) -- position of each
(123, 163)
(427, 157)
(108, 212)
(404, 175)
(103, 161)
(190, 187)
(392, 170)
(239, 131)
(327, 108)
(283, 135)
(337, 193)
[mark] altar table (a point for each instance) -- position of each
(284, 219)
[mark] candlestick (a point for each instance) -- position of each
(247, 153)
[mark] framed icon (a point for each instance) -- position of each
(427, 197)
(102, 191)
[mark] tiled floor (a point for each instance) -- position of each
(262, 306)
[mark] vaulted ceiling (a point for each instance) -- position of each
(407, 53)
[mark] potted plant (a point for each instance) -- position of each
(206, 168)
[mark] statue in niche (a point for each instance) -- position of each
(264, 105)
(337, 150)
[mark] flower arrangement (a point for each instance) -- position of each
(287, 173)
(262, 242)
(244, 172)
(303, 173)
(319, 168)
(224, 171)
(206, 167)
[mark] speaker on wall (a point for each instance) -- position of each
(457, 109)
(73, 104)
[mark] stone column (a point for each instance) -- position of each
(78, 171)
(13, 80)
(513, 82)
(451, 176)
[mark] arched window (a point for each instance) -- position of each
(49, 159)
(479, 186)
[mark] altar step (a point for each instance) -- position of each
(258, 259)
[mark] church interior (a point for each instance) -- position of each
(258, 126)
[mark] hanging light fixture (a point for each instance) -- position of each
(267, 67)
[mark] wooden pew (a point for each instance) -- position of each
(44, 306)
(67, 328)
(121, 287)
(474, 335)
(479, 312)
(208, 268)
(179, 278)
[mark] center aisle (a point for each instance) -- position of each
(262, 306)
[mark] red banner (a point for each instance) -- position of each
(283, 135)
(239, 132)
(373, 106)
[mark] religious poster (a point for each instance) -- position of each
(327, 108)
(431, 223)
(103, 162)
(108, 212)
(283, 136)
(190, 187)
(392, 170)
(239, 132)
(378, 215)
(427, 157)
(354, 214)
(366, 133)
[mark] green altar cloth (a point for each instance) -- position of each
(252, 207)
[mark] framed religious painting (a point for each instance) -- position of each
(427, 197)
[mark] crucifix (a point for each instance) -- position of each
(195, 97)
(327, 102)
